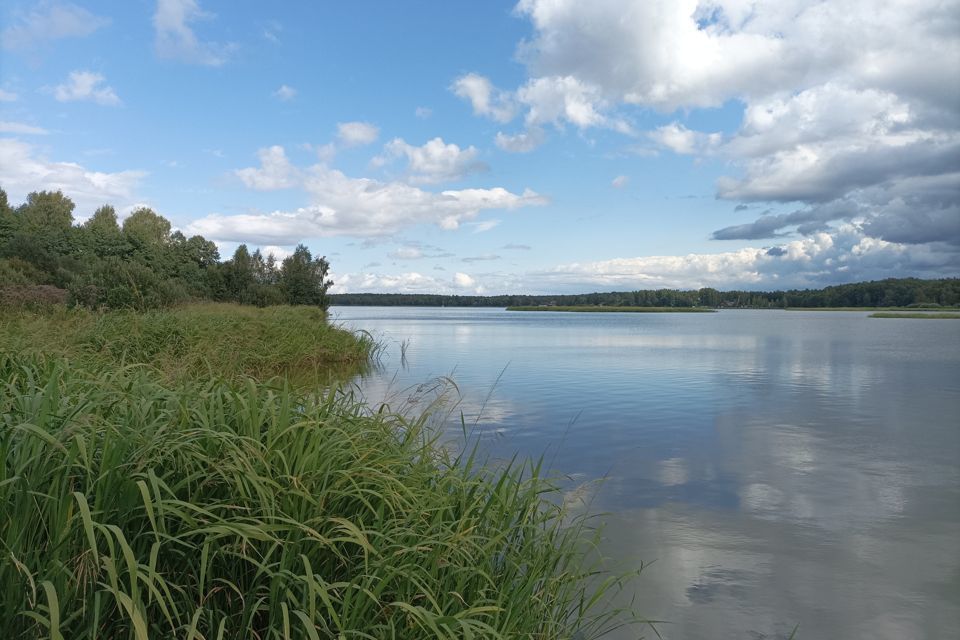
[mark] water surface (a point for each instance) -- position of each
(776, 467)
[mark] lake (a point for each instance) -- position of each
(776, 467)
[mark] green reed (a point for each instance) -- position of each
(143, 503)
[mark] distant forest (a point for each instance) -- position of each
(143, 264)
(139, 264)
(893, 292)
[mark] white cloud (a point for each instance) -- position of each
(463, 280)
(50, 21)
(86, 86)
(843, 255)
(486, 225)
(423, 112)
(407, 282)
(20, 128)
(435, 161)
(175, 39)
(522, 142)
(275, 172)
(842, 105)
(341, 205)
(277, 252)
(8, 96)
(486, 99)
(355, 134)
(23, 170)
(679, 139)
(285, 93)
(558, 99)
(619, 182)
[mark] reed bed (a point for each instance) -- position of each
(143, 505)
(200, 340)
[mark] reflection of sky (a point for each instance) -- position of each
(781, 467)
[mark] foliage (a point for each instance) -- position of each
(140, 504)
(919, 315)
(602, 309)
(142, 264)
(892, 292)
(212, 339)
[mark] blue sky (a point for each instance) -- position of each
(487, 147)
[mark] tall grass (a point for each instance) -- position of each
(196, 340)
(143, 505)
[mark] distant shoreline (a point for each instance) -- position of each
(604, 309)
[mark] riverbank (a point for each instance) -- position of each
(161, 481)
(922, 315)
(614, 309)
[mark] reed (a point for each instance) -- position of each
(212, 339)
(140, 504)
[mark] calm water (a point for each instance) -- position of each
(777, 467)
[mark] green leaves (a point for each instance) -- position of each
(247, 510)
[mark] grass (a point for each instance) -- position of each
(607, 309)
(225, 340)
(142, 502)
(926, 315)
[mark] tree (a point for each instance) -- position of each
(146, 227)
(47, 212)
(304, 279)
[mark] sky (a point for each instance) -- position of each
(545, 146)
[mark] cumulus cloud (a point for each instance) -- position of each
(47, 22)
(485, 99)
(843, 110)
(20, 128)
(86, 86)
(670, 54)
(341, 205)
(845, 254)
(463, 280)
(407, 282)
(275, 171)
(176, 40)
(285, 93)
(522, 142)
(23, 169)
(679, 139)
(435, 161)
(355, 134)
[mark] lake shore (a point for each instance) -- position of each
(180, 473)
(605, 309)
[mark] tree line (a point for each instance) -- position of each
(141, 263)
(892, 292)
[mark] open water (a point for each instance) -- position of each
(775, 467)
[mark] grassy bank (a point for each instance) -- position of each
(150, 494)
(225, 340)
(606, 309)
(924, 315)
